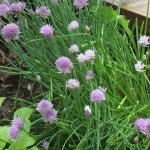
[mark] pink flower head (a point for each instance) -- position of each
(45, 144)
(143, 125)
(10, 32)
(17, 7)
(89, 75)
(80, 3)
(144, 40)
(13, 133)
(90, 54)
(44, 106)
(5, 2)
(73, 25)
(64, 64)
(4, 9)
(31, 12)
(139, 66)
(47, 30)
(55, 1)
(87, 111)
(74, 48)
(18, 122)
(81, 58)
(50, 115)
(97, 96)
(73, 84)
(43, 11)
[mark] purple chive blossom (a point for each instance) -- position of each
(4, 9)
(55, 1)
(97, 95)
(139, 66)
(31, 12)
(5, 2)
(45, 145)
(89, 75)
(13, 133)
(18, 122)
(43, 11)
(73, 25)
(81, 58)
(10, 32)
(17, 7)
(144, 40)
(73, 84)
(80, 3)
(44, 106)
(47, 30)
(50, 115)
(143, 125)
(90, 54)
(87, 110)
(64, 64)
(74, 48)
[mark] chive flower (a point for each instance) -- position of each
(44, 106)
(143, 125)
(80, 3)
(43, 11)
(144, 40)
(45, 145)
(74, 48)
(18, 122)
(64, 64)
(4, 9)
(73, 25)
(87, 110)
(81, 58)
(47, 30)
(50, 115)
(17, 7)
(10, 32)
(97, 95)
(73, 84)
(139, 66)
(13, 133)
(89, 75)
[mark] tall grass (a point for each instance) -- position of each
(111, 125)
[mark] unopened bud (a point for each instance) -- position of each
(38, 77)
(29, 87)
(87, 29)
(136, 139)
(147, 53)
(144, 57)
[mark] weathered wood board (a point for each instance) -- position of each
(133, 9)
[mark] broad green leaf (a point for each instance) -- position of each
(23, 113)
(2, 144)
(2, 100)
(34, 148)
(24, 141)
(3, 133)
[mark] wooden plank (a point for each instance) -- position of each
(133, 9)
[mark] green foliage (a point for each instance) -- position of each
(2, 100)
(111, 125)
